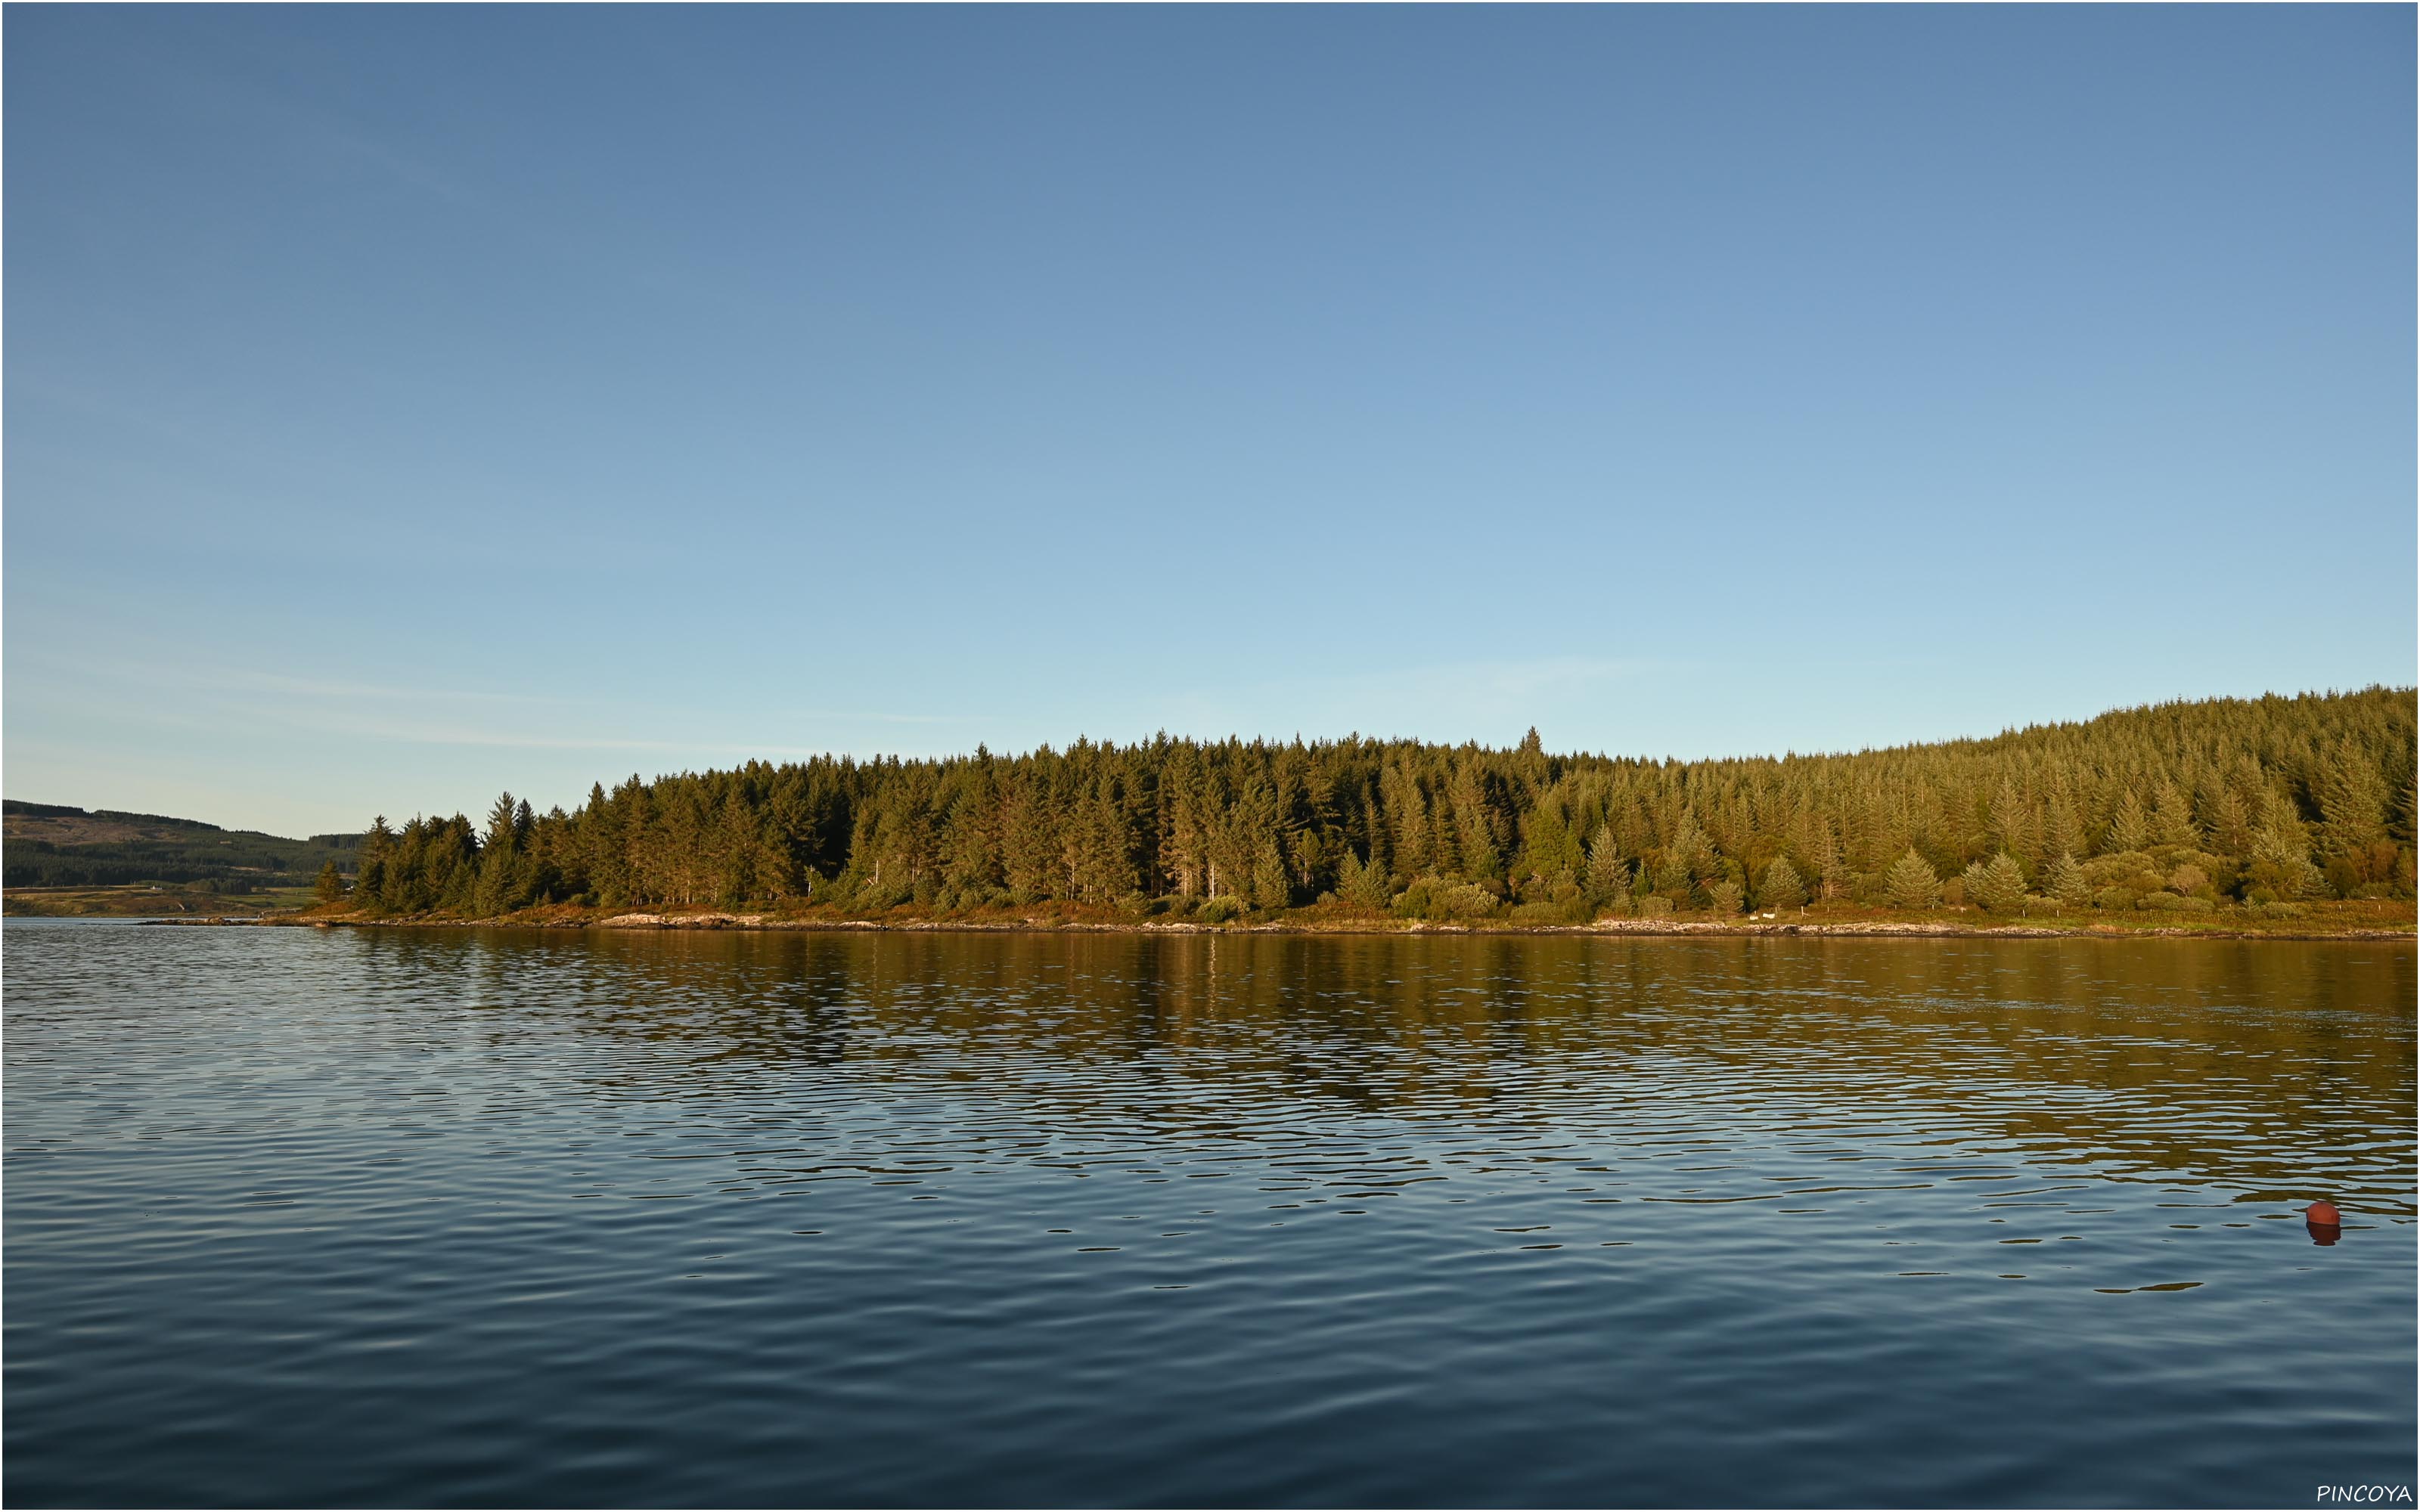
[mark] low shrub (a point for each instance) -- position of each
(1437, 898)
(1461, 900)
(1568, 911)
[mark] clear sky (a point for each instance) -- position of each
(402, 405)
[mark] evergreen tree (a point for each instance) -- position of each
(2353, 800)
(1997, 884)
(2172, 819)
(1607, 877)
(2128, 829)
(1831, 865)
(2230, 822)
(1912, 882)
(371, 866)
(2064, 882)
(2281, 866)
(1782, 887)
(330, 886)
(2012, 818)
(1272, 889)
(1364, 885)
(2062, 829)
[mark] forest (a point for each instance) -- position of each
(2187, 806)
(54, 845)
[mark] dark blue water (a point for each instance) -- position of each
(439, 1217)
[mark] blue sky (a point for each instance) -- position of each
(403, 405)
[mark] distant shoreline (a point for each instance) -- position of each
(709, 921)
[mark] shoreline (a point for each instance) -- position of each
(1610, 928)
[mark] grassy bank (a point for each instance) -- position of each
(145, 901)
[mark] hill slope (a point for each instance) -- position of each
(51, 845)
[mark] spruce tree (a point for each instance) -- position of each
(2172, 819)
(1272, 889)
(2128, 829)
(1912, 882)
(2352, 804)
(1608, 875)
(1365, 886)
(330, 886)
(2064, 882)
(2011, 819)
(1997, 886)
(1782, 886)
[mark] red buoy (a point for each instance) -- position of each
(2324, 1215)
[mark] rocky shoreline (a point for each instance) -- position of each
(1828, 929)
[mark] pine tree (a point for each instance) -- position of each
(330, 889)
(2172, 820)
(1782, 886)
(1831, 865)
(1272, 889)
(2064, 883)
(2062, 830)
(1365, 886)
(2352, 805)
(2128, 829)
(1912, 882)
(1689, 866)
(2281, 863)
(1607, 876)
(1997, 884)
(370, 867)
(2230, 822)
(2012, 819)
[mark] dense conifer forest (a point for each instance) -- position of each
(2186, 808)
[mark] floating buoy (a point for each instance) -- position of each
(2325, 1224)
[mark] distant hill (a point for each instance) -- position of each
(52, 845)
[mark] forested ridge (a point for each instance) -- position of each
(54, 845)
(2191, 807)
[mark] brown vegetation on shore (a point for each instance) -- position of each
(2354, 920)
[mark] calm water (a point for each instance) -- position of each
(460, 1217)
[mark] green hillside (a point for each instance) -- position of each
(51, 845)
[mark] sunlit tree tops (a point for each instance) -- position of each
(2264, 798)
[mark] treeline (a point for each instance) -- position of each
(53, 845)
(2188, 806)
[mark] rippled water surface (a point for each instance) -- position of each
(418, 1216)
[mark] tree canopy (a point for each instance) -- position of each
(2183, 805)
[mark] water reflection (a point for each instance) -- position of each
(2260, 1069)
